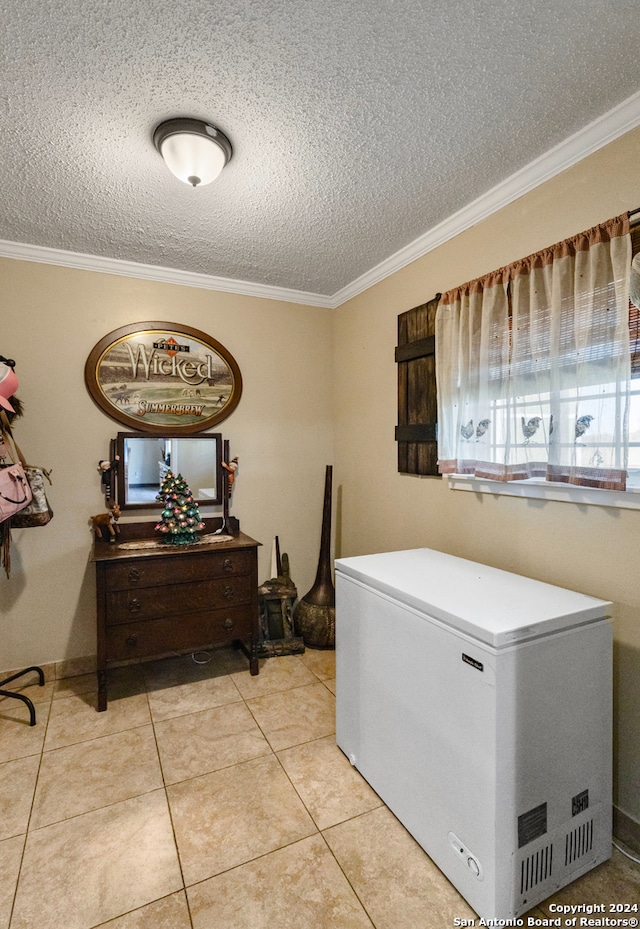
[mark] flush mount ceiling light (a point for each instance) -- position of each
(193, 150)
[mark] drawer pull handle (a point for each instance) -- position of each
(134, 606)
(227, 565)
(228, 623)
(134, 574)
(132, 640)
(228, 593)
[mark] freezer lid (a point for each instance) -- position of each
(494, 606)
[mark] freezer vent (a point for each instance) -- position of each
(578, 842)
(536, 868)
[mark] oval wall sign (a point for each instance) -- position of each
(163, 378)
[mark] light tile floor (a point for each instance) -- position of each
(205, 798)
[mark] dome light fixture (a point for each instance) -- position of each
(195, 151)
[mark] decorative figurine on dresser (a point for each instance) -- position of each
(182, 582)
(105, 525)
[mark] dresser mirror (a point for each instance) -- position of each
(143, 462)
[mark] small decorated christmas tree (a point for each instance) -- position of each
(180, 520)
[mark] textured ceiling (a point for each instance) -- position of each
(357, 125)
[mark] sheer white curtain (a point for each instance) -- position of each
(533, 365)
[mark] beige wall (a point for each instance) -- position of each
(281, 431)
(588, 548)
(314, 380)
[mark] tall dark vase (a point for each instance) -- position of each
(315, 613)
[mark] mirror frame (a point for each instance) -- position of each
(119, 448)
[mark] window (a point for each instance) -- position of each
(534, 367)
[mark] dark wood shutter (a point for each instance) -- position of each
(416, 432)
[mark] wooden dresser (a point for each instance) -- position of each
(153, 601)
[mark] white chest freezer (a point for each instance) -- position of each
(477, 704)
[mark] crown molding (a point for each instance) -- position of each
(81, 261)
(605, 129)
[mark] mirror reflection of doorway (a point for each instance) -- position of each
(146, 461)
(143, 462)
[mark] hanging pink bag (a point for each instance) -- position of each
(15, 492)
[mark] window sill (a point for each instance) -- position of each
(543, 490)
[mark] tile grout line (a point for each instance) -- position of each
(344, 873)
(33, 799)
(242, 699)
(166, 797)
(320, 832)
(136, 909)
(48, 705)
(229, 673)
(275, 755)
(323, 837)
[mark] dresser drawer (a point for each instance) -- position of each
(153, 601)
(153, 572)
(198, 630)
(123, 606)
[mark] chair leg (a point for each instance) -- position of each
(9, 693)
